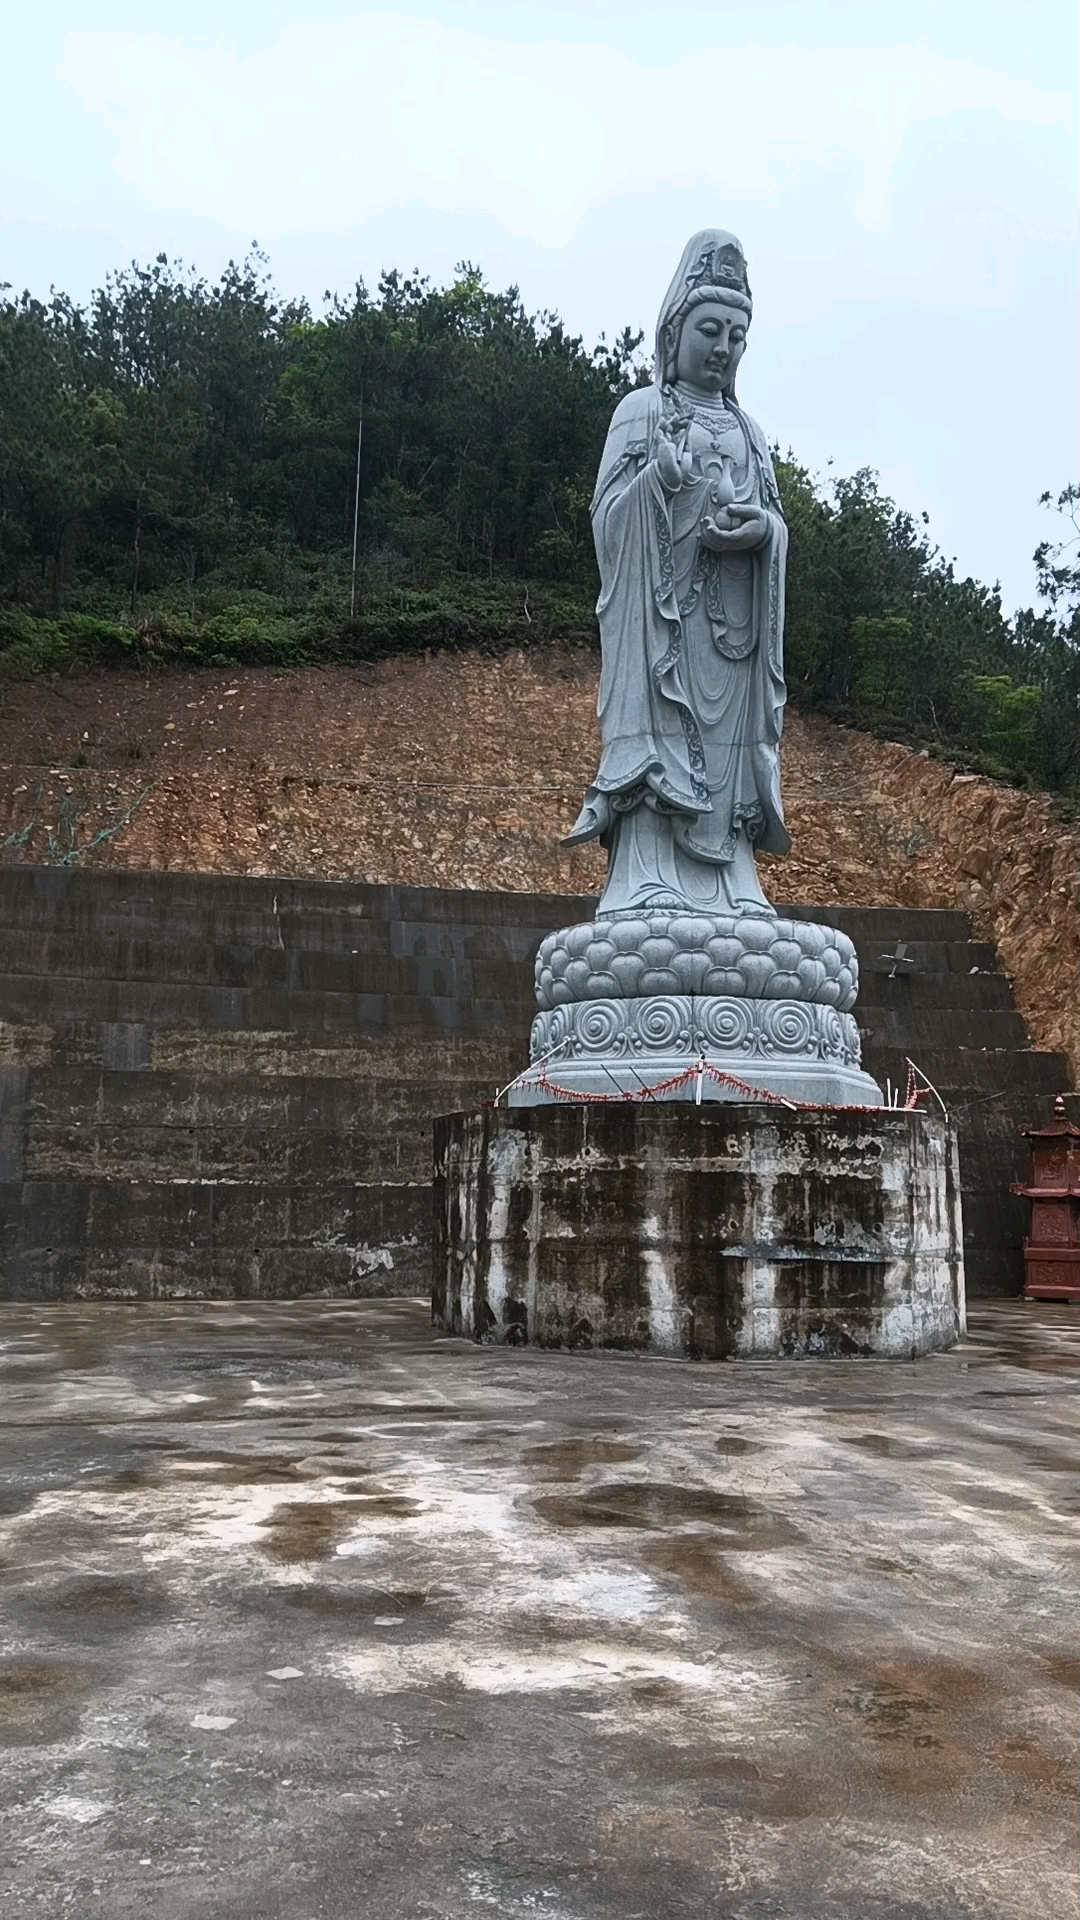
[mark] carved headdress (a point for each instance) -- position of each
(713, 267)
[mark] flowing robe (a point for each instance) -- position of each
(692, 684)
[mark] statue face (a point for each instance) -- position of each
(711, 344)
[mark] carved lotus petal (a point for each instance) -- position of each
(784, 986)
(722, 980)
(690, 969)
(812, 976)
(692, 932)
(657, 952)
(755, 935)
(757, 970)
(600, 954)
(659, 980)
(628, 935)
(787, 954)
(627, 969)
(601, 986)
(725, 952)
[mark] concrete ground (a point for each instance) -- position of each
(309, 1614)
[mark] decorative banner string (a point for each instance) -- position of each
(540, 1079)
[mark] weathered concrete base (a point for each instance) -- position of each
(710, 1233)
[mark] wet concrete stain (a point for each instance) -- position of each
(298, 1530)
(1064, 1668)
(567, 1459)
(16, 1500)
(357, 1605)
(651, 1506)
(735, 1781)
(38, 1700)
(1049, 1458)
(992, 1499)
(224, 1470)
(883, 1731)
(888, 1446)
(699, 1567)
(105, 1600)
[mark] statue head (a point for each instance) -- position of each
(701, 332)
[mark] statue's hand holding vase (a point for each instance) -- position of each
(735, 529)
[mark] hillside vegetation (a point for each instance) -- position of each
(178, 467)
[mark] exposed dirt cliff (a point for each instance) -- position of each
(463, 771)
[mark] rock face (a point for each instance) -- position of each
(325, 773)
(714, 1234)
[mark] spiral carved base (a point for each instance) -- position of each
(793, 1048)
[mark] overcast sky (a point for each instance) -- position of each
(903, 179)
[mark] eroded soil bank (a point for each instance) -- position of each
(462, 771)
(308, 1613)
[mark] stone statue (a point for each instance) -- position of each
(686, 968)
(691, 544)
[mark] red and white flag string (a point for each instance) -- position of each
(538, 1077)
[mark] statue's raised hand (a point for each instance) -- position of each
(748, 528)
(674, 460)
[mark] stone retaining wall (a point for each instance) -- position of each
(218, 1086)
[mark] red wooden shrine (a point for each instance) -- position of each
(1052, 1248)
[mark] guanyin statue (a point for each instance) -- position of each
(691, 544)
(686, 983)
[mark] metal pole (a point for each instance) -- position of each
(356, 509)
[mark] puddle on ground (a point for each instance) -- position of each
(732, 1780)
(992, 1498)
(311, 1529)
(741, 1523)
(1051, 1459)
(1009, 1393)
(224, 1470)
(902, 1695)
(15, 1500)
(37, 1699)
(566, 1459)
(1033, 1359)
(1064, 1668)
(351, 1603)
(108, 1600)
(699, 1566)
(887, 1446)
(283, 1371)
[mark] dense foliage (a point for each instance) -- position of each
(178, 466)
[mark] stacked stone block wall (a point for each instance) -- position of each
(224, 1087)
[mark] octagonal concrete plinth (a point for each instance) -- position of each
(713, 1233)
